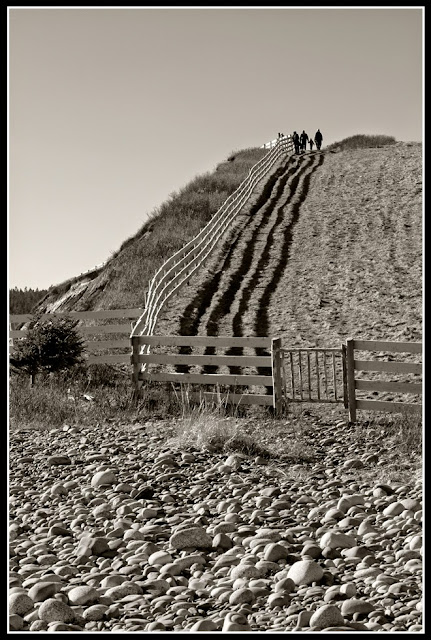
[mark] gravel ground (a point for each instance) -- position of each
(118, 528)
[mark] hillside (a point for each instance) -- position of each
(334, 250)
(122, 281)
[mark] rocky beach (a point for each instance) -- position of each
(116, 528)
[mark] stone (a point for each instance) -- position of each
(274, 552)
(53, 610)
(95, 612)
(305, 572)
(242, 596)
(43, 590)
(102, 478)
(195, 537)
(245, 570)
(336, 540)
(58, 460)
(20, 603)
(235, 622)
(124, 589)
(355, 605)
(16, 623)
(394, 509)
(206, 624)
(82, 595)
(326, 616)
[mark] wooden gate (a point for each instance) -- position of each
(314, 375)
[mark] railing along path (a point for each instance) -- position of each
(177, 270)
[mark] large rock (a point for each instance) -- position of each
(326, 616)
(58, 460)
(103, 478)
(355, 605)
(195, 537)
(337, 540)
(236, 622)
(43, 590)
(83, 595)
(305, 572)
(20, 603)
(53, 610)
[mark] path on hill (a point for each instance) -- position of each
(330, 248)
(235, 292)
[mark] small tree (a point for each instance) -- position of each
(49, 345)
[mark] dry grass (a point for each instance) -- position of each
(208, 428)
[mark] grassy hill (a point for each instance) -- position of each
(357, 244)
(122, 282)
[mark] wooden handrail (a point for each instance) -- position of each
(177, 270)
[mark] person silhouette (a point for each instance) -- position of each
(311, 142)
(295, 138)
(318, 139)
(304, 140)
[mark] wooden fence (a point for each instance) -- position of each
(270, 360)
(178, 269)
(100, 339)
(387, 366)
(320, 375)
(272, 143)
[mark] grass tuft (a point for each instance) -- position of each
(361, 141)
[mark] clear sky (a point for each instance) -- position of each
(113, 109)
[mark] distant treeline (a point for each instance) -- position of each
(24, 300)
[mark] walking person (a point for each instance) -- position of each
(318, 139)
(296, 142)
(311, 142)
(304, 140)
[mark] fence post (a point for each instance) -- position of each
(344, 366)
(276, 375)
(350, 366)
(135, 363)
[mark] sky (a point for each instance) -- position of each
(111, 110)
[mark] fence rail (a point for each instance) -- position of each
(270, 381)
(178, 269)
(90, 333)
(390, 366)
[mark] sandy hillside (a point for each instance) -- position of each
(331, 248)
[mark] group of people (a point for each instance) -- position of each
(300, 141)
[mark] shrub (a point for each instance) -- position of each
(49, 345)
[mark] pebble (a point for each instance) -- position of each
(111, 533)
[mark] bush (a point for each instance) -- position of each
(48, 346)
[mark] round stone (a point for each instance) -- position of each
(53, 610)
(355, 605)
(82, 595)
(43, 590)
(305, 572)
(326, 616)
(336, 540)
(103, 478)
(195, 537)
(20, 603)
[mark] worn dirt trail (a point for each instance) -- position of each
(329, 247)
